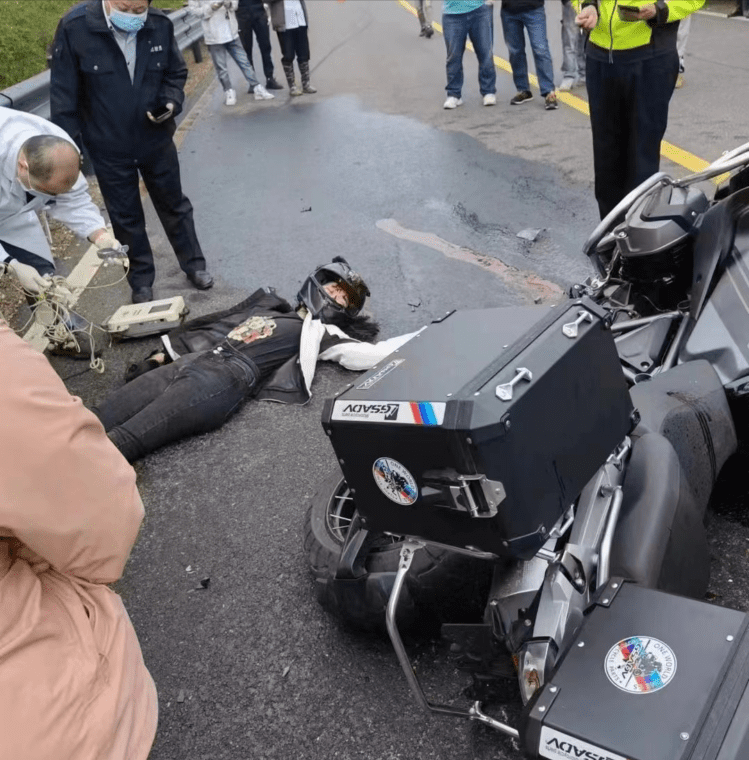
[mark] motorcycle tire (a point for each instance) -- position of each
(441, 586)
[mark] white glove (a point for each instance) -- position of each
(30, 280)
(107, 240)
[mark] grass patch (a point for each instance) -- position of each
(27, 27)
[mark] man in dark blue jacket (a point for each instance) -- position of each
(117, 83)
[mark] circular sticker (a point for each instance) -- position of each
(395, 481)
(640, 664)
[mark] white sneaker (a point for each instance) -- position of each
(230, 98)
(452, 102)
(262, 94)
(566, 84)
(490, 99)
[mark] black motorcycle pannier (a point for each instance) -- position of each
(481, 432)
(649, 676)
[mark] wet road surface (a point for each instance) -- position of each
(427, 205)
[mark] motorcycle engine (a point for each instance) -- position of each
(655, 243)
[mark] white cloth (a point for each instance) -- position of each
(19, 223)
(294, 14)
(350, 354)
(219, 26)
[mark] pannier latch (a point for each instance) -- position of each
(504, 392)
(571, 329)
(475, 494)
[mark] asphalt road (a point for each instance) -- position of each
(250, 667)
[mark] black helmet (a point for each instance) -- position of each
(318, 302)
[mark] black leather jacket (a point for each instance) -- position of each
(286, 384)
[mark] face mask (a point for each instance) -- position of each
(30, 187)
(128, 22)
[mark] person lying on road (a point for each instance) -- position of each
(261, 347)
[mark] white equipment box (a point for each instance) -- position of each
(139, 319)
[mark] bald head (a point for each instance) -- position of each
(53, 163)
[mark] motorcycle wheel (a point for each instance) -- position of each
(441, 586)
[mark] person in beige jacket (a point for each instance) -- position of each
(74, 684)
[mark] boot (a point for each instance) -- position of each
(306, 86)
(294, 89)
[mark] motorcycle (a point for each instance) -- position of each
(541, 499)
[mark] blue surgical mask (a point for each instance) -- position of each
(128, 22)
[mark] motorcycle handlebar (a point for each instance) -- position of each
(607, 222)
(724, 164)
(729, 161)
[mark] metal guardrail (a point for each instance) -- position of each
(32, 95)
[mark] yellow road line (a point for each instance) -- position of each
(672, 152)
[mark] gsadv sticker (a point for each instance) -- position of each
(395, 481)
(556, 745)
(640, 664)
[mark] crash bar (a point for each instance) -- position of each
(472, 713)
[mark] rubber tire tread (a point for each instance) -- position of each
(442, 586)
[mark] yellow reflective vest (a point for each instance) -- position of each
(612, 33)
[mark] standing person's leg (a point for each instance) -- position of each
(608, 93)
(161, 176)
(514, 36)
(119, 185)
(455, 32)
(200, 397)
(570, 33)
(302, 56)
(262, 31)
(219, 58)
(244, 21)
(653, 85)
(535, 23)
(681, 46)
(424, 12)
(236, 51)
(481, 34)
(288, 51)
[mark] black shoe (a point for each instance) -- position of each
(201, 279)
(521, 97)
(271, 84)
(427, 32)
(141, 295)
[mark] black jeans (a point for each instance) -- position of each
(628, 116)
(26, 257)
(195, 394)
(294, 42)
(118, 181)
(256, 21)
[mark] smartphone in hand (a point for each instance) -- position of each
(628, 12)
(161, 112)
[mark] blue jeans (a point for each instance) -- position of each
(573, 45)
(478, 25)
(236, 51)
(535, 22)
(195, 394)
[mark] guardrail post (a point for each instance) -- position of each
(197, 52)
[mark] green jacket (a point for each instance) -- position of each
(612, 33)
